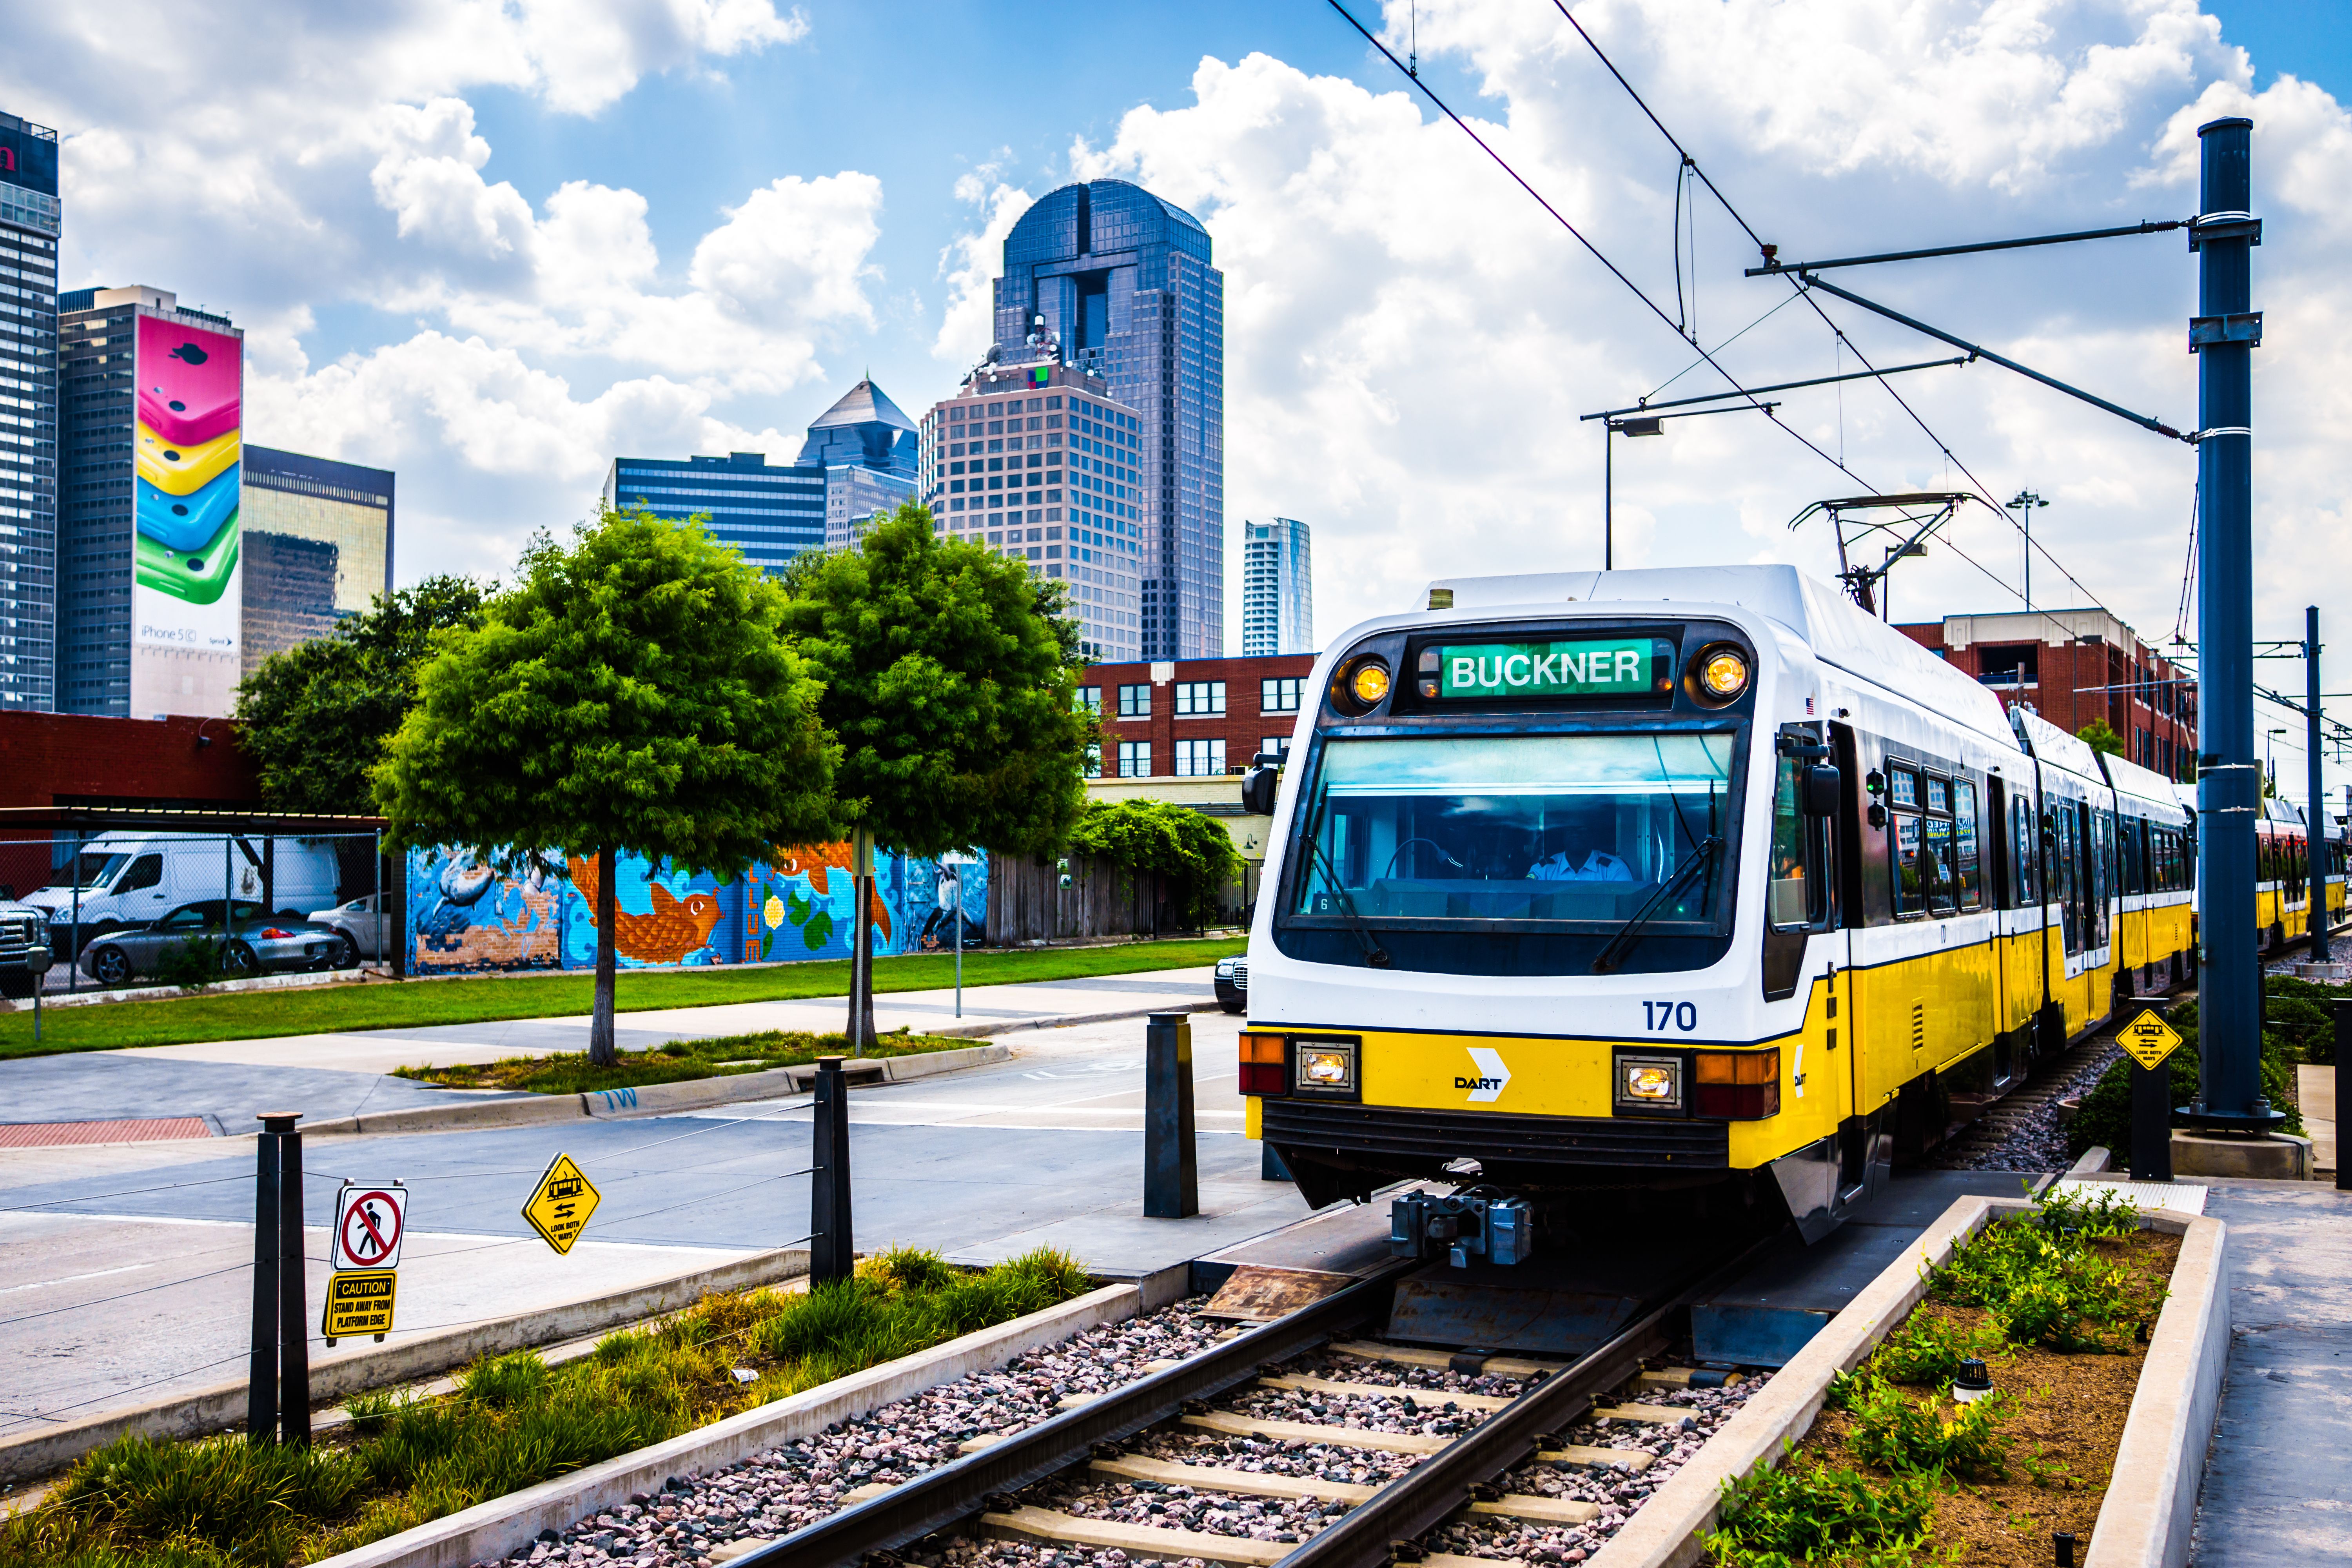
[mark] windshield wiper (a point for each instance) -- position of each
(1375, 955)
(1631, 932)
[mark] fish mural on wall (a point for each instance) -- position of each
(676, 927)
(464, 915)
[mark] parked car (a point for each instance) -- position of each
(22, 929)
(360, 924)
(123, 882)
(256, 943)
(1233, 985)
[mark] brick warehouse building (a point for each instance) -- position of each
(1194, 718)
(2074, 666)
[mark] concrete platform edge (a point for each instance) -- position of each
(1666, 1531)
(2146, 1519)
(497, 1527)
(337, 1377)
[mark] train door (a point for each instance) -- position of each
(1864, 1147)
(2065, 837)
(2099, 889)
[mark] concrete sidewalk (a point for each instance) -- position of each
(337, 1075)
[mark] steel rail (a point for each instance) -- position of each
(953, 1491)
(1435, 1490)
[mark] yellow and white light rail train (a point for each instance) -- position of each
(1686, 887)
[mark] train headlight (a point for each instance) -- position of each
(1326, 1067)
(1369, 683)
(1719, 675)
(1650, 1083)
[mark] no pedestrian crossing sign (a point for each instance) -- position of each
(559, 1207)
(2148, 1039)
(368, 1219)
(359, 1302)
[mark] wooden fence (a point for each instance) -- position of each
(1026, 903)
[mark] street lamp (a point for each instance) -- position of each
(2023, 506)
(2270, 758)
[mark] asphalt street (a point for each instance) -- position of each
(122, 1267)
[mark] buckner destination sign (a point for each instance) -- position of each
(1617, 667)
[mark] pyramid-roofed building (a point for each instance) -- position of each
(869, 450)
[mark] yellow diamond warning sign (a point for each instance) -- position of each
(359, 1302)
(559, 1206)
(2149, 1039)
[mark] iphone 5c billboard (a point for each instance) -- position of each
(186, 596)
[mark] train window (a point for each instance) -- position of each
(1936, 865)
(1939, 794)
(1911, 876)
(1966, 860)
(1798, 888)
(2024, 861)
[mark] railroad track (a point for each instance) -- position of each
(1345, 1493)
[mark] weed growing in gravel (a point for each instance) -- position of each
(1803, 1512)
(511, 1422)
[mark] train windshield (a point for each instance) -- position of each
(1572, 831)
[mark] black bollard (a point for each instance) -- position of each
(831, 1255)
(1171, 1175)
(293, 1290)
(261, 1369)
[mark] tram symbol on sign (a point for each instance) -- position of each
(2149, 1039)
(369, 1220)
(559, 1207)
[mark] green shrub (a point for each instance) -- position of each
(2042, 1280)
(245, 1501)
(1192, 853)
(191, 965)
(1926, 1350)
(1806, 1512)
(1899, 1432)
(2297, 1030)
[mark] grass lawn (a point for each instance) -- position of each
(572, 1073)
(512, 1422)
(259, 1015)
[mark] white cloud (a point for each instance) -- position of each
(1409, 339)
(970, 263)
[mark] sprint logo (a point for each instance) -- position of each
(1492, 1076)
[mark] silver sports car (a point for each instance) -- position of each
(255, 944)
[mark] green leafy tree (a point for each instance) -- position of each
(949, 685)
(2100, 736)
(1194, 857)
(633, 690)
(315, 718)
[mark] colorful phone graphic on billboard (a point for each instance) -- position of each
(187, 597)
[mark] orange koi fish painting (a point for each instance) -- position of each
(676, 927)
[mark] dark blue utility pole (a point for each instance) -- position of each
(2223, 335)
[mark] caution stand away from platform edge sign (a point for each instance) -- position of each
(560, 1206)
(359, 1302)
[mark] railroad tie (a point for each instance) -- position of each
(1596, 1458)
(1148, 1541)
(1251, 1483)
(1681, 1377)
(1441, 1361)
(1233, 1426)
(1418, 1397)
(1656, 1415)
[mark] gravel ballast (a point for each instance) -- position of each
(773, 1493)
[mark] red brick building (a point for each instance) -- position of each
(1195, 718)
(2074, 666)
(50, 759)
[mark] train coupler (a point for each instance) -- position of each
(1459, 1227)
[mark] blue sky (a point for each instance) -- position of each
(492, 243)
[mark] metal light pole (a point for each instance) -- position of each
(2224, 333)
(2315, 830)
(2023, 506)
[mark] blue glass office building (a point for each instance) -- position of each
(1277, 588)
(1122, 282)
(771, 513)
(869, 450)
(28, 437)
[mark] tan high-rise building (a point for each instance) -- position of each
(1034, 461)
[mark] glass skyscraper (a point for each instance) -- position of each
(28, 416)
(1277, 589)
(866, 447)
(769, 513)
(1121, 282)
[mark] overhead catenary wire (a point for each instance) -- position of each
(1800, 291)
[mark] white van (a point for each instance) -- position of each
(132, 879)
